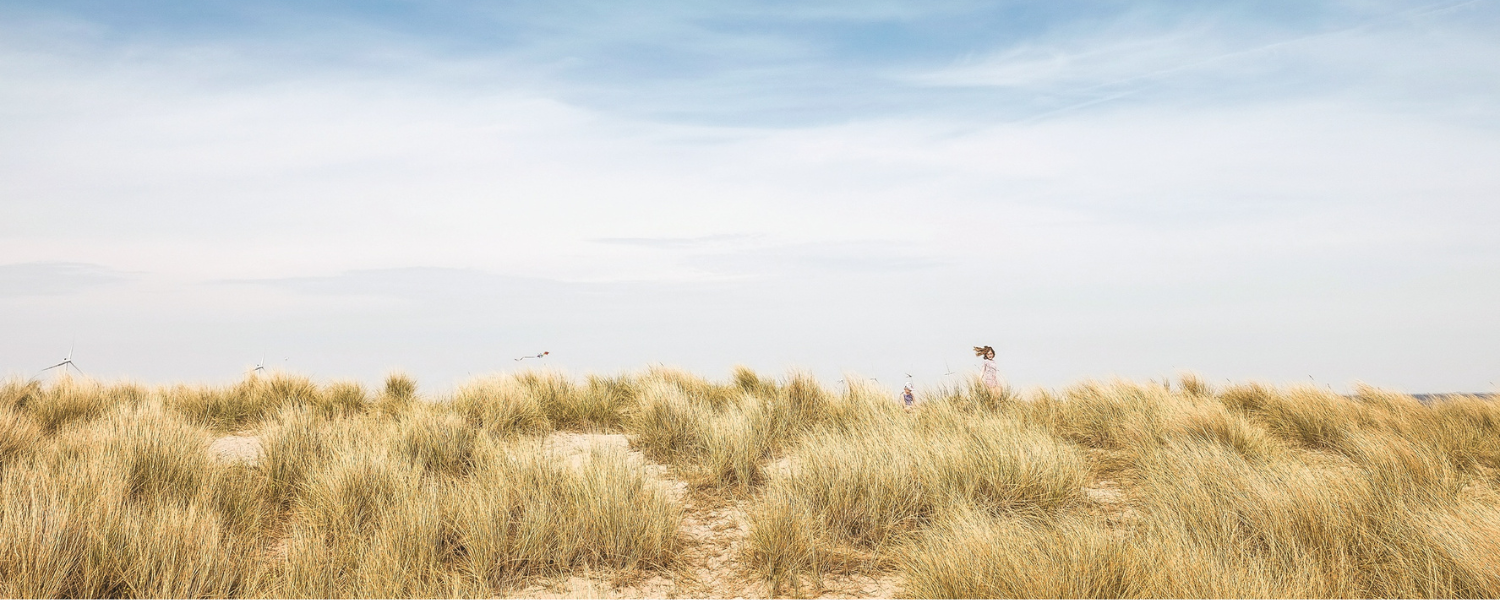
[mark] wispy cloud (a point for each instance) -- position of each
(1214, 60)
(678, 242)
(819, 259)
(55, 278)
(1089, 64)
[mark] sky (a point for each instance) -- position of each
(1293, 192)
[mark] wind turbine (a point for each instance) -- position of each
(260, 368)
(65, 364)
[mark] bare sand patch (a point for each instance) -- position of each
(861, 586)
(236, 448)
(577, 445)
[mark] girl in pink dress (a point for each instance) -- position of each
(991, 375)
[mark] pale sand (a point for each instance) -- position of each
(236, 448)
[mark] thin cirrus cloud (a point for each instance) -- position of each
(56, 278)
(820, 259)
(747, 255)
(1107, 188)
(1416, 56)
(679, 242)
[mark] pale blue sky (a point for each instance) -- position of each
(1273, 190)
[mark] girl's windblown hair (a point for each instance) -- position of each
(984, 352)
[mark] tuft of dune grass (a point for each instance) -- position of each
(341, 398)
(724, 436)
(373, 523)
(292, 447)
(66, 401)
(120, 506)
(608, 399)
(750, 382)
(438, 442)
(19, 436)
(500, 406)
(161, 458)
(701, 390)
(400, 386)
(1466, 429)
(668, 422)
(970, 554)
(787, 544)
(538, 400)
(737, 442)
(877, 486)
(1212, 423)
(257, 398)
(15, 393)
(1319, 524)
(397, 396)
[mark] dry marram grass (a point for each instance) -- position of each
(1101, 489)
